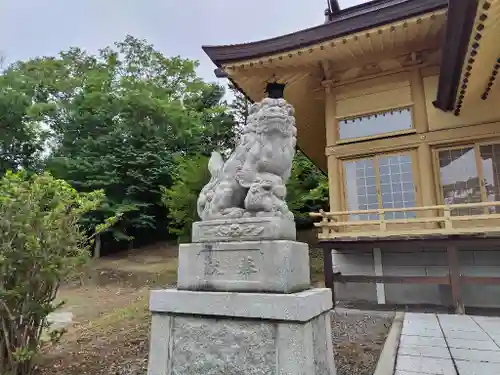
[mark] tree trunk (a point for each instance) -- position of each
(97, 248)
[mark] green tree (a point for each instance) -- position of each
(218, 130)
(119, 121)
(307, 189)
(21, 136)
(181, 199)
(192, 169)
(239, 106)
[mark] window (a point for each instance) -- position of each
(396, 184)
(361, 187)
(470, 174)
(376, 124)
(490, 156)
(384, 181)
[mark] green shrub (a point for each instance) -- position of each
(307, 190)
(41, 242)
(181, 198)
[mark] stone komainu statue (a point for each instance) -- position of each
(251, 183)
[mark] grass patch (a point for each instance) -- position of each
(135, 313)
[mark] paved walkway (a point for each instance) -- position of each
(449, 345)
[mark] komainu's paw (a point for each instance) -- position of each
(234, 212)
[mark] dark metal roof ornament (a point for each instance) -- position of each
(275, 90)
(332, 10)
(328, 15)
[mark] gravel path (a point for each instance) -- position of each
(358, 338)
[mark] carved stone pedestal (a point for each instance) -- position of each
(221, 333)
(243, 305)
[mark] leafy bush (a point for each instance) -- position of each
(180, 199)
(41, 242)
(307, 190)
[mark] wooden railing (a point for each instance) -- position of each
(430, 220)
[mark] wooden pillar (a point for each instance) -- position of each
(456, 287)
(425, 165)
(328, 271)
(334, 181)
(427, 182)
(330, 115)
(419, 106)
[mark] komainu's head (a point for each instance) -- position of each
(272, 115)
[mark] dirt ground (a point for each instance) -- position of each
(111, 320)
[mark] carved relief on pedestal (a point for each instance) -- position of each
(245, 229)
(235, 230)
(247, 267)
(237, 264)
(212, 267)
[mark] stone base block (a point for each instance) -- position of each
(249, 266)
(245, 229)
(241, 333)
(300, 307)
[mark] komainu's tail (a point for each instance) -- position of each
(215, 165)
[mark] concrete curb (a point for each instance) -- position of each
(387, 361)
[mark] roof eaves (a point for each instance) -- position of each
(348, 21)
(459, 25)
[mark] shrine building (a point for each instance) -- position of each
(398, 102)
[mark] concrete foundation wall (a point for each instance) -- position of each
(354, 263)
(484, 262)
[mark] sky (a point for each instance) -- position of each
(30, 28)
